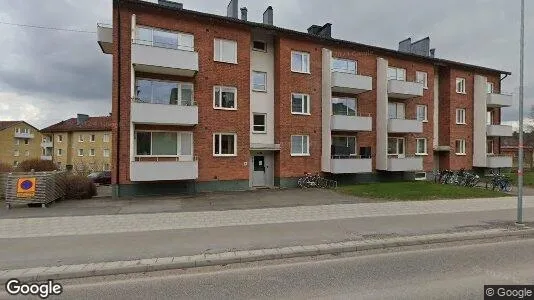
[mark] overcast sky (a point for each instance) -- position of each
(48, 76)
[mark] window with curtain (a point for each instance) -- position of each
(164, 92)
(163, 143)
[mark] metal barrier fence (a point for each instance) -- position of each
(34, 187)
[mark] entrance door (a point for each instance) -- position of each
(258, 174)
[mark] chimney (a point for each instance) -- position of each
(231, 10)
(244, 12)
(170, 4)
(314, 29)
(421, 47)
(433, 52)
(326, 30)
(406, 45)
(268, 16)
(81, 118)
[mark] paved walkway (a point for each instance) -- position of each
(101, 224)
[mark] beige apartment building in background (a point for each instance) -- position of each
(19, 141)
(82, 144)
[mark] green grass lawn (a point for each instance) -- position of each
(416, 190)
(528, 178)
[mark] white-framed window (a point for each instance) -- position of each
(60, 138)
(422, 77)
(300, 145)
(224, 144)
(91, 152)
(164, 92)
(27, 153)
(420, 146)
(344, 106)
(26, 141)
(460, 85)
(490, 87)
(460, 147)
(163, 144)
(92, 138)
(300, 62)
(259, 81)
(259, 46)
(259, 122)
(59, 152)
(344, 65)
(80, 138)
(396, 74)
(422, 113)
(420, 176)
(460, 116)
(80, 152)
(396, 110)
(489, 147)
(105, 153)
(225, 51)
(17, 141)
(300, 104)
(16, 153)
(105, 138)
(343, 146)
(489, 117)
(164, 38)
(396, 146)
(224, 97)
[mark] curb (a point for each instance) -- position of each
(242, 256)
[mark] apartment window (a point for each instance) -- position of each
(396, 110)
(162, 143)
(259, 81)
(395, 146)
(460, 85)
(420, 176)
(460, 116)
(259, 123)
(27, 153)
(164, 92)
(91, 152)
(259, 46)
(422, 113)
(225, 51)
(165, 39)
(80, 152)
(422, 77)
(489, 117)
(17, 130)
(344, 65)
(59, 152)
(489, 147)
(344, 106)
(15, 164)
(105, 138)
(460, 147)
(26, 142)
(300, 62)
(343, 146)
(300, 145)
(60, 138)
(396, 74)
(490, 87)
(92, 138)
(16, 153)
(224, 144)
(300, 104)
(80, 138)
(420, 146)
(224, 97)
(17, 141)
(105, 153)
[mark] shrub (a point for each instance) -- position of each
(5, 167)
(37, 165)
(79, 187)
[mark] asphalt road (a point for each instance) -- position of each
(457, 272)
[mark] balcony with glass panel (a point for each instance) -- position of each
(397, 121)
(399, 88)
(346, 80)
(164, 102)
(345, 159)
(345, 117)
(164, 52)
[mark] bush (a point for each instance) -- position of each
(79, 187)
(37, 165)
(4, 167)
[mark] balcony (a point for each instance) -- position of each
(404, 126)
(399, 89)
(104, 37)
(499, 161)
(150, 113)
(24, 135)
(351, 83)
(350, 165)
(46, 157)
(47, 144)
(499, 100)
(396, 164)
(499, 130)
(163, 170)
(159, 60)
(351, 123)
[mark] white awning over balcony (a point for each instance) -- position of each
(161, 60)
(163, 170)
(400, 89)
(351, 123)
(148, 113)
(351, 83)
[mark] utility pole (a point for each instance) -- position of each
(521, 71)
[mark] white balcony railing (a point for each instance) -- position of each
(495, 161)
(351, 123)
(162, 60)
(405, 164)
(351, 83)
(499, 130)
(350, 165)
(400, 89)
(46, 157)
(104, 37)
(169, 114)
(24, 135)
(405, 126)
(499, 100)
(163, 170)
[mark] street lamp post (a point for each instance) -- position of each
(520, 167)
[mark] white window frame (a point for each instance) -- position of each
(422, 77)
(345, 100)
(307, 153)
(397, 77)
(80, 138)
(17, 141)
(105, 153)
(220, 134)
(254, 88)
(462, 147)
(264, 123)
(59, 152)
(397, 148)
(461, 116)
(305, 66)
(490, 87)
(425, 146)
(80, 152)
(347, 71)
(397, 115)
(179, 34)
(224, 89)
(492, 146)
(218, 44)
(59, 138)
(16, 153)
(418, 176)
(489, 117)
(347, 137)
(105, 138)
(425, 109)
(92, 138)
(92, 152)
(26, 141)
(460, 85)
(184, 157)
(27, 153)
(305, 97)
(179, 85)
(259, 49)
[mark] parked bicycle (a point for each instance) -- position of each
(461, 177)
(500, 182)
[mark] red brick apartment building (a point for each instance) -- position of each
(207, 102)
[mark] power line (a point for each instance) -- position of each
(47, 28)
